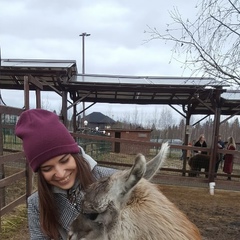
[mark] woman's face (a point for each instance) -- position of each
(60, 171)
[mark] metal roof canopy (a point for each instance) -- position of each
(194, 95)
(50, 73)
(197, 94)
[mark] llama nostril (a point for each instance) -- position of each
(91, 216)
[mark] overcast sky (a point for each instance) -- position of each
(49, 29)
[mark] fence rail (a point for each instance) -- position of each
(14, 169)
(9, 159)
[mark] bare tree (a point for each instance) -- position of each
(165, 118)
(152, 118)
(45, 104)
(135, 116)
(210, 43)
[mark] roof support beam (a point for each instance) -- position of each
(35, 82)
(177, 111)
(197, 98)
(85, 108)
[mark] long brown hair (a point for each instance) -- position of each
(47, 206)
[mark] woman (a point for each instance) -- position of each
(228, 158)
(200, 143)
(64, 171)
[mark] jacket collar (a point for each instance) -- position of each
(67, 212)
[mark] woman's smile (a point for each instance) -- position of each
(60, 171)
(64, 180)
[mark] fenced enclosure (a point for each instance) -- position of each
(14, 187)
(16, 180)
(176, 169)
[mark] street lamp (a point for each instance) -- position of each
(83, 35)
(85, 130)
(85, 123)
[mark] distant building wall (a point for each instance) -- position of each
(128, 148)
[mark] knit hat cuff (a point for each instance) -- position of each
(37, 161)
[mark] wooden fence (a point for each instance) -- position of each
(102, 149)
(11, 156)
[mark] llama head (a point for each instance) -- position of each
(105, 198)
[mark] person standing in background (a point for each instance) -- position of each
(228, 158)
(200, 143)
(189, 152)
(221, 145)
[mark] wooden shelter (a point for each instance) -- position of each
(196, 96)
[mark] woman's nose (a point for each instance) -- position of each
(60, 172)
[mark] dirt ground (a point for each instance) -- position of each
(217, 216)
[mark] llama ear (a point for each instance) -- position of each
(156, 163)
(134, 175)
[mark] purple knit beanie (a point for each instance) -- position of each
(43, 136)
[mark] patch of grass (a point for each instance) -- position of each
(13, 221)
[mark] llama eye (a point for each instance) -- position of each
(91, 216)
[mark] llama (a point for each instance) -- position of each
(199, 161)
(127, 206)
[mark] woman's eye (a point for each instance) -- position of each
(64, 160)
(46, 169)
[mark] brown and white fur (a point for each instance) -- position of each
(127, 206)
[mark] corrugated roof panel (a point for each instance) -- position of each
(25, 63)
(121, 79)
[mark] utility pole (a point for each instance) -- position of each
(83, 35)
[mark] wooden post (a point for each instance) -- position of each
(29, 173)
(38, 98)
(214, 147)
(185, 143)
(2, 170)
(26, 92)
(74, 118)
(64, 108)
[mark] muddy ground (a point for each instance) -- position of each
(217, 216)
